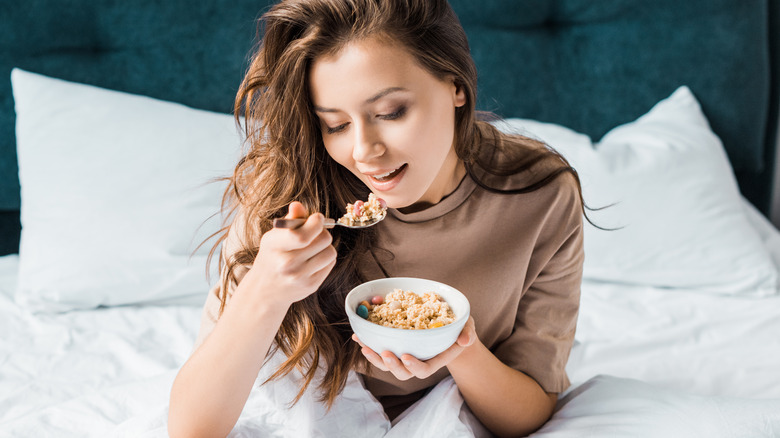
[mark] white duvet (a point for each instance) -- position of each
(647, 363)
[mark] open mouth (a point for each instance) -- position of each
(389, 175)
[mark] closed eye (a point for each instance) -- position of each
(397, 114)
(335, 129)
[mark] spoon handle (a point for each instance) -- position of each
(295, 223)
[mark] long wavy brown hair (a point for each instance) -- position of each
(286, 160)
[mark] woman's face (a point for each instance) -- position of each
(388, 121)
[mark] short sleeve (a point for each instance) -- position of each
(547, 313)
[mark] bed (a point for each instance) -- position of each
(115, 124)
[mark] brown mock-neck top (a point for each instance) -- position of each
(517, 257)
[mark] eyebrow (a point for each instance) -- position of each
(371, 99)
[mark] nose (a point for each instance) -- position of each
(368, 144)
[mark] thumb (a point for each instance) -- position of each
(296, 210)
(468, 335)
(465, 339)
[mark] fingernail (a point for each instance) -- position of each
(406, 362)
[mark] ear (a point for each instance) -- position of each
(459, 94)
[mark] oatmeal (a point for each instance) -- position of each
(361, 213)
(408, 310)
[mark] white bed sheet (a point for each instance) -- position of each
(84, 372)
(647, 362)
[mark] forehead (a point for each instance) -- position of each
(361, 68)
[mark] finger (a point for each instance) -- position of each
(307, 247)
(296, 210)
(321, 274)
(321, 236)
(440, 360)
(387, 361)
(306, 263)
(423, 369)
(418, 368)
(356, 339)
(468, 335)
(395, 366)
(321, 260)
(304, 235)
(374, 358)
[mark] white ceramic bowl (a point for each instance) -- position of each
(422, 344)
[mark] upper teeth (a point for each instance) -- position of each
(385, 175)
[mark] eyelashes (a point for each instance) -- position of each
(395, 115)
(335, 130)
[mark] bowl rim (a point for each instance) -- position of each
(396, 330)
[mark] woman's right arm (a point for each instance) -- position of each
(212, 387)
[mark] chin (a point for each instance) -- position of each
(397, 198)
(392, 201)
(401, 204)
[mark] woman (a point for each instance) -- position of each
(347, 97)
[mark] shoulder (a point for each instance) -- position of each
(545, 217)
(514, 162)
(522, 166)
(564, 193)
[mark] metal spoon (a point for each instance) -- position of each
(329, 223)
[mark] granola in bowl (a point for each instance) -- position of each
(408, 310)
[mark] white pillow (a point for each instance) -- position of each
(116, 194)
(675, 197)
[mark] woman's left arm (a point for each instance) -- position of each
(505, 400)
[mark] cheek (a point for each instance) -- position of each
(431, 136)
(339, 151)
(415, 137)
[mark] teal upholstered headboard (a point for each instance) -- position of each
(586, 64)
